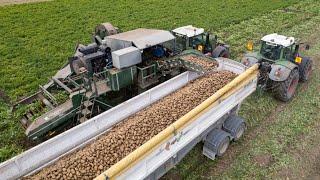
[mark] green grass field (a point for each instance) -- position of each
(38, 38)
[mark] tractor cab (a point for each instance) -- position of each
(190, 37)
(278, 47)
(281, 64)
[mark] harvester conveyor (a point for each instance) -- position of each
(153, 159)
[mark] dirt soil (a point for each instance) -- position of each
(308, 154)
(262, 160)
(10, 2)
(4, 97)
(125, 137)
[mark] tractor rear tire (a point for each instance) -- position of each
(305, 71)
(285, 90)
(220, 51)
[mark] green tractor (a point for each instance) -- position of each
(281, 64)
(190, 37)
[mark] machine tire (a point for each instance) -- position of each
(76, 65)
(236, 126)
(239, 132)
(285, 89)
(217, 141)
(220, 51)
(305, 70)
(223, 146)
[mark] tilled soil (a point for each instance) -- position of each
(9, 2)
(128, 135)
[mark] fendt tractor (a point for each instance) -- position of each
(196, 38)
(115, 67)
(281, 64)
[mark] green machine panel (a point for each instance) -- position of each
(120, 78)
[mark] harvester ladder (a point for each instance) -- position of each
(86, 111)
(87, 102)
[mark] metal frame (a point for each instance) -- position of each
(170, 152)
(144, 77)
(50, 151)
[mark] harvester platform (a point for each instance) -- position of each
(46, 119)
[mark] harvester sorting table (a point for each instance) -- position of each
(214, 121)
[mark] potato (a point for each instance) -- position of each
(137, 129)
(201, 61)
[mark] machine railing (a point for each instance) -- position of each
(147, 75)
(144, 71)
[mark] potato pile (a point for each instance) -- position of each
(206, 64)
(128, 135)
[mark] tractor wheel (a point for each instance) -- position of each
(220, 51)
(305, 71)
(285, 89)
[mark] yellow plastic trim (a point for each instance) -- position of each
(200, 48)
(249, 45)
(298, 60)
